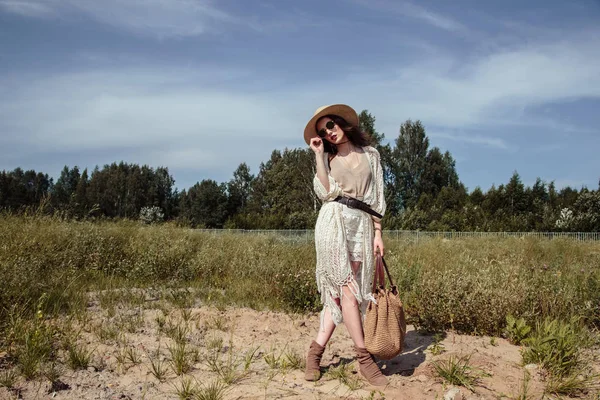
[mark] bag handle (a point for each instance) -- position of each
(380, 265)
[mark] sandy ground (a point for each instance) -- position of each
(273, 335)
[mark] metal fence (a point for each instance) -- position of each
(309, 234)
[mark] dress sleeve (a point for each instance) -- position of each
(379, 204)
(322, 194)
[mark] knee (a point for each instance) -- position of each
(349, 299)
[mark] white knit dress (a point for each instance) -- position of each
(333, 247)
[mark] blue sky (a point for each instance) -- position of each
(201, 86)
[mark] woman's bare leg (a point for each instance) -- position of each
(328, 327)
(351, 313)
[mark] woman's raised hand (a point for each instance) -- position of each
(316, 144)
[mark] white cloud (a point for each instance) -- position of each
(33, 8)
(487, 141)
(412, 10)
(158, 18)
(493, 90)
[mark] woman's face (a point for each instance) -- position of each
(328, 130)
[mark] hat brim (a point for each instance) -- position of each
(341, 110)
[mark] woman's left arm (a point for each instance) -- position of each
(378, 239)
(379, 205)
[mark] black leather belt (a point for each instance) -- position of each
(355, 203)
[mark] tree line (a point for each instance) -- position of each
(422, 188)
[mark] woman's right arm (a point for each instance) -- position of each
(316, 144)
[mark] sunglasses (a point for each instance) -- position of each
(329, 125)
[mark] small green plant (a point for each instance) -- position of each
(30, 340)
(157, 366)
(186, 314)
(343, 373)
(79, 356)
(293, 360)
(52, 371)
(493, 341)
(458, 371)
(573, 385)
(272, 360)
(218, 323)
(161, 322)
(177, 331)
(524, 389)
(380, 395)
(555, 346)
(249, 357)
(213, 391)
(437, 347)
(133, 356)
(214, 343)
(8, 378)
(187, 389)
(106, 331)
(516, 330)
(227, 369)
(131, 322)
(182, 358)
(181, 298)
(121, 357)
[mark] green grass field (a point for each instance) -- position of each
(469, 285)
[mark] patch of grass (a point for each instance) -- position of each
(524, 388)
(573, 385)
(181, 298)
(555, 346)
(274, 361)
(249, 356)
(158, 367)
(106, 331)
(121, 358)
(225, 366)
(177, 331)
(437, 347)
(52, 371)
(187, 389)
(182, 358)
(214, 343)
(217, 322)
(186, 314)
(293, 360)
(8, 378)
(29, 339)
(558, 347)
(516, 330)
(161, 323)
(133, 356)
(213, 391)
(79, 357)
(343, 373)
(458, 371)
(131, 322)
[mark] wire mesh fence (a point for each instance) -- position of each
(306, 235)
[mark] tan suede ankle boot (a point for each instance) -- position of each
(369, 369)
(313, 362)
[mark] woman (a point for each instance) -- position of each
(346, 238)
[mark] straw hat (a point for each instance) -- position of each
(341, 110)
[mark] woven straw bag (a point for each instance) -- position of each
(385, 322)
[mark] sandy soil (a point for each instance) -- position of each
(411, 374)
